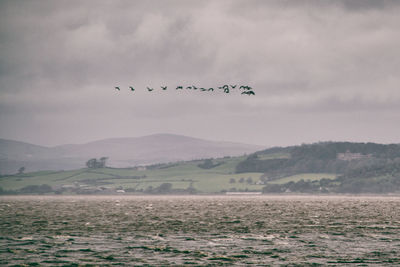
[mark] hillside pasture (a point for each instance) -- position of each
(305, 177)
(183, 175)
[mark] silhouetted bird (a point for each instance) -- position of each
(226, 88)
(233, 86)
(132, 89)
(189, 87)
(194, 87)
(248, 93)
(203, 89)
(164, 87)
(149, 89)
(117, 88)
(211, 89)
(179, 87)
(245, 87)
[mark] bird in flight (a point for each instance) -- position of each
(248, 93)
(245, 87)
(226, 88)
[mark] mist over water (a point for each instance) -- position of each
(193, 230)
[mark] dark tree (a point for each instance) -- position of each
(207, 164)
(165, 188)
(272, 188)
(38, 189)
(21, 170)
(94, 163)
(91, 163)
(103, 162)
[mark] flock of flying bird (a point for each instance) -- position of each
(247, 89)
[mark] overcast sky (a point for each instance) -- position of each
(321, 70)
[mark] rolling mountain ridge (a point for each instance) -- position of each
(122, 152)
(322, 168)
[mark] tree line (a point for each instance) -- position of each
(379, 173)
(96, 163)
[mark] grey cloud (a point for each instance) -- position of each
(59, 59)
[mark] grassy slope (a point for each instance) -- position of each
(181, 176)
(305, 177)
(38, 178)
(274, 156)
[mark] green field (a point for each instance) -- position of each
(280, 155)
(182, 176)
(305, 177)
(214, 176)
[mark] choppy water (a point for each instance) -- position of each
(199, 230)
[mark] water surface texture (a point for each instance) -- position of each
(199, 230)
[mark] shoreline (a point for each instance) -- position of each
(207, 196)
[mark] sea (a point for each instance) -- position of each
(224, 230)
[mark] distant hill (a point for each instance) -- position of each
(323, 168)
(359, 167)
(122, 152)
